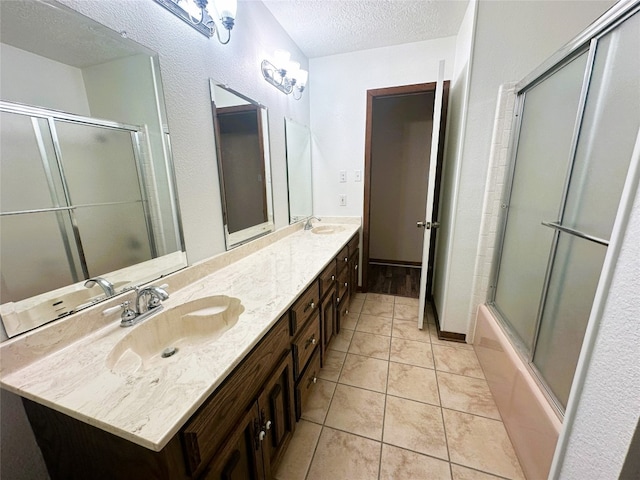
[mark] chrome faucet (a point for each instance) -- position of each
(106, 285)
(152, 295)
(307, 225)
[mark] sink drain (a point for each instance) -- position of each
(167, 352)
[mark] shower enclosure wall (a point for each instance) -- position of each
(576, 122)
(75, 188)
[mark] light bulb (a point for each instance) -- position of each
(281, 58)
(226, 8)
(301, 77)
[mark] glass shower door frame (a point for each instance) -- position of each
(588, 40)
(51, 116)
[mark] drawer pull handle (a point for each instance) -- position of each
(312, 380)
(311, 306)
(346, 284)
(356, 266)
(337, 299)
(267, 425)
(261, 435)
(333, 277)
(311, 341)
(346, 259)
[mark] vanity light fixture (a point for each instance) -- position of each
(196, 14)
(285, 75)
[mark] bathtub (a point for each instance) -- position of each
(531, 422)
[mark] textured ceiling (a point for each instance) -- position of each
(59, 34)
(329, 27)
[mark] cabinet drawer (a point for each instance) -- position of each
(353, 243)
(327, 278)
(343, 283)
(308, 380)
(305, 344)
(208, 428)
(343, 258)
(304, 307)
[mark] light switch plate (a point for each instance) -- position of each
(342, 199)
(358, 175)
(343, 176)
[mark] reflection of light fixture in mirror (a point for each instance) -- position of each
(285, 75)
(196, 14)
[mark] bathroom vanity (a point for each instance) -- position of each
(103, 403)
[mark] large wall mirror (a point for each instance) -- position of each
(242, 141)
(87, 186)
(298, 140)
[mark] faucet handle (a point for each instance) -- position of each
(128, 316)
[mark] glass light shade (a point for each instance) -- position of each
(301, 77)
(191, 8)
(226, 8)
(292, 68)
(281, 58)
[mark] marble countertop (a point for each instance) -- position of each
(150, 406)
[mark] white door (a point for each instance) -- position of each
(429, 224)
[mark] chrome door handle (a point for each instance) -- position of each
(428, 225)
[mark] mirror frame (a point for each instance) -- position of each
(235, 239)
(295, 181)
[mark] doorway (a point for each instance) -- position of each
(397, 157)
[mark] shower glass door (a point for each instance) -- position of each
(575, 138)
(606, 139)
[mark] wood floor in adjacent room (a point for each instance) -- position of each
(394, 280)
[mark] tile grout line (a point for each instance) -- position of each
(324, 420)
(384, 409)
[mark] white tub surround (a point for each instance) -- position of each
(63, 365)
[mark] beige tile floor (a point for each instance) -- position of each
(396, 403)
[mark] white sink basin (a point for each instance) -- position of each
(327, 229)
(166, 336)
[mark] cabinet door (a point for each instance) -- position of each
(241, 456)
(327, 319)
(342, 311)
(277, 415)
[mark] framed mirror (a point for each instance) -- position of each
(87, 186)
(298, 141)
(242, 142)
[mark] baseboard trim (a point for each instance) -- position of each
(447, 336)
(395, 263)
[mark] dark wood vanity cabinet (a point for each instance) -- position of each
(327, 306)
(327, 320)
(354, 263)
(256, 445)
(306, 341)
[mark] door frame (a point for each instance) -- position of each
(389, 92)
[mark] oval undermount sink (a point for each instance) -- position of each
(169, 333)
(327, 229)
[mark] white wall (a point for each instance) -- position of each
(18, 83)
(338, 88)
(458, 96)
(511, 39)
